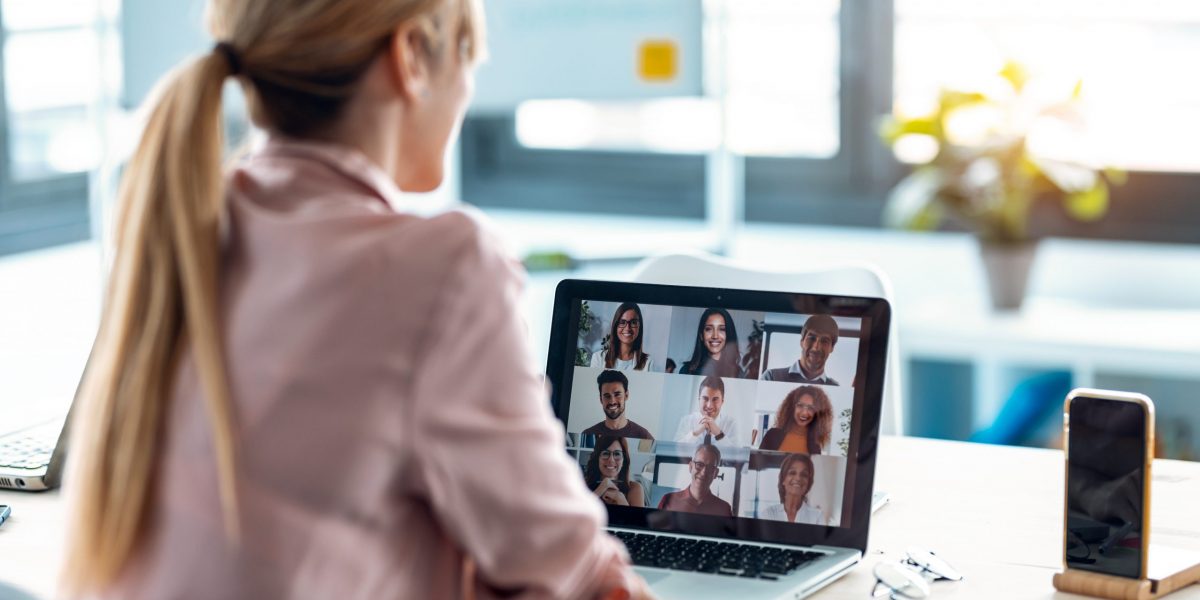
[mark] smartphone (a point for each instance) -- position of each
(1109, 441)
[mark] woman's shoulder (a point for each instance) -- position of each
(452, 261)
(458, 242)
(465, 232)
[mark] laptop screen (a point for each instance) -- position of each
(720, 410)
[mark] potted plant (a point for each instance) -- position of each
(982, 158)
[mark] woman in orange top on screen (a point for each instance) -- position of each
(803, 423)
(300, 388)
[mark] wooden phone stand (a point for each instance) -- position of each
(1099, 585)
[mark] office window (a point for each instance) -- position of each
(782, 69)
(783, 84)
(808, 82)
(52, 77)
(777, 105)
(1135, 60)
(1139, 95)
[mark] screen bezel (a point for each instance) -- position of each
(876, 312)
(1147, 409)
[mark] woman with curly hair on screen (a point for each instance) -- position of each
(803, 422)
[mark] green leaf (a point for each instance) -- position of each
(893, 129)
(951, 99)
(1016, 75)
(548, 261)
(1091, 204)
(912, 204)
(1116, 176)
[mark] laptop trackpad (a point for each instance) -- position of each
(652, 576)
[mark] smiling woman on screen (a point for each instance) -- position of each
(803, 423)
(795, 482)
(607, 473)
(716, 351)
(275, 404)
(624, 351)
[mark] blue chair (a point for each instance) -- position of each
(1034, 403)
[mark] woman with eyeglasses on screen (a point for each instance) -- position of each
(716, 351)
(275, 404)
(624, 352)
(803, 422)
(795, 482)
(607, 473)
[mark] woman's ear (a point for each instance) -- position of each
(409, 61)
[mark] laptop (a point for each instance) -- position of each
(32, 458)
(731, 434)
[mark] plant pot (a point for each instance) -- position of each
(1007, 268)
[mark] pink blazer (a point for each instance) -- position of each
(390, 424)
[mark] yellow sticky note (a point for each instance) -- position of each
(658, 60)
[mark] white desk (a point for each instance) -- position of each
(994, 512)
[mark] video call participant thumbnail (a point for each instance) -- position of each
(624, 351)
(708, 425)
(607, 473)
(803, 422)
(716, 351)
(817, 339)
(614, 393)
(697, 497)
(795, 482)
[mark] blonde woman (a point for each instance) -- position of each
(299, 390)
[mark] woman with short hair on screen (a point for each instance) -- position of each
(716, 351)
(624, 352)
(300, 388)
(607, 473)
(803, 422)
(795, 482)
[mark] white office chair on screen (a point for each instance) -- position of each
(848, 279)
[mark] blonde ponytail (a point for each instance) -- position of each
(162, 289)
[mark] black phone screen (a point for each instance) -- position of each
(1106, 478)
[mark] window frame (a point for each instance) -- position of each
(497, 172)
(847, 189)
(36, 214)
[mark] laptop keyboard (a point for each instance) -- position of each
(707, 556)
(25, 452)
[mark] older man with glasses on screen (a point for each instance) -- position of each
(697, 497)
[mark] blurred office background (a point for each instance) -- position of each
(608, 131)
